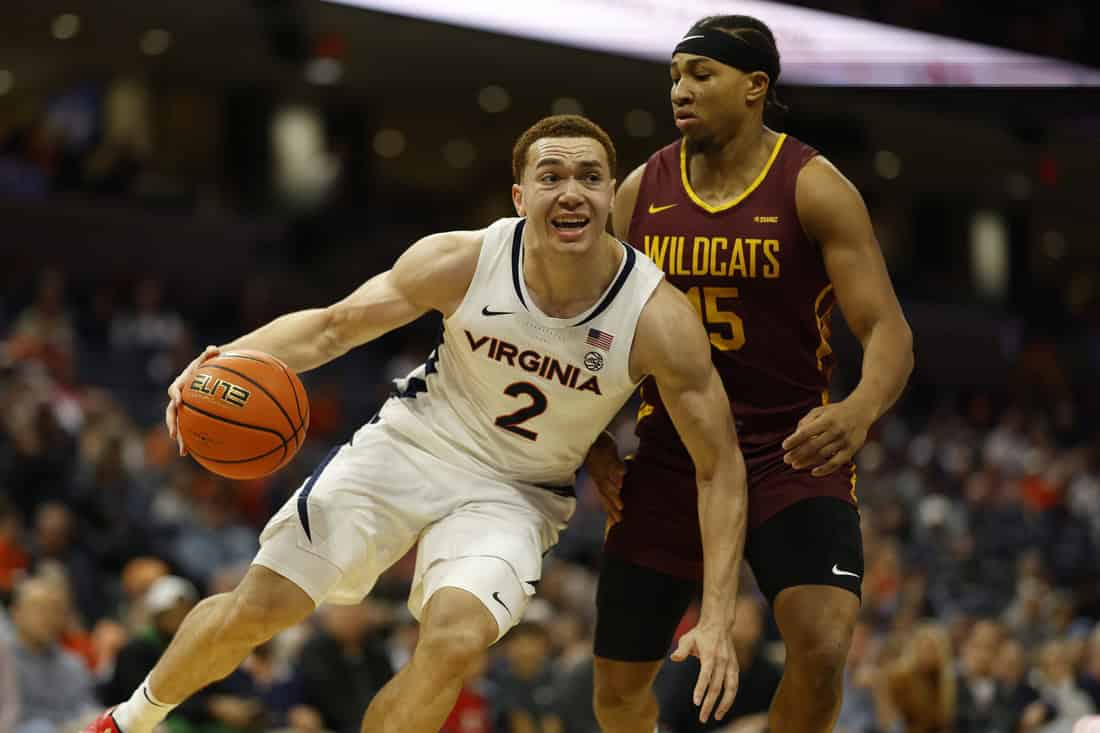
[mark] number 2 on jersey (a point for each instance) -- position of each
(726, 329)
(512, 421)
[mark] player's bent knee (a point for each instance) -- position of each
(262, 605)
(620, 686)
(456, 630)
(485, 590)
(821, 661)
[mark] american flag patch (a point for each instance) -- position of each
(599, 339)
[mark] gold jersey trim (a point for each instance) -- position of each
(729, 204)
(823, 329)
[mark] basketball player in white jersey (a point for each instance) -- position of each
(549, 324)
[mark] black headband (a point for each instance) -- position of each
(728, 50)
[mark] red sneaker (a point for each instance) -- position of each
(105, 723)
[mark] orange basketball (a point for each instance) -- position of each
(244, 414)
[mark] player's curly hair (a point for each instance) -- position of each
(754, 32)
(560, 126)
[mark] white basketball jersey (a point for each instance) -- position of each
(520, 393)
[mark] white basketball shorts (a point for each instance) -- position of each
(369, 501)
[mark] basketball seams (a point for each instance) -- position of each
(264, 460)
(231, 421)
(196, 454)
(289, 378)
(242, 375)
(240, 460)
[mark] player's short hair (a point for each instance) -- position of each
(560, 126)
(755, 33)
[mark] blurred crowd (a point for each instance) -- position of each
(980, 599)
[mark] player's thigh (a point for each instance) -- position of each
(491, 547)
(637, 611)
(355, 516)
(660, 524)
(813, 542)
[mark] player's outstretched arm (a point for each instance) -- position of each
(834, 215)
(433, 274)
(672, 346)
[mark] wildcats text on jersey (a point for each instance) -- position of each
(748, 257)
(532, 362)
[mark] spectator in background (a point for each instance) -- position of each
(167, 601)
(217, 540)
(1032, 611)
(345, 665)
(54, 541)
(575, 690)
(472, 712)
(978, 693)
(1090, 668)
(1066, 702)
(1010, 670)
(857, 712)
(115, 509)
(13, 556)
(136, 579)
(278, 689)
(759, 680)
(148, 334)
(55, 688)
(525, 683)
(44, 330)
(42, 454)
(9, 689)
(917, 691)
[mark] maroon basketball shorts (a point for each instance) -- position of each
(802, 531)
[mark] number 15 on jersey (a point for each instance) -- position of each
(726, 329)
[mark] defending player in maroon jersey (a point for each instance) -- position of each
(760, 285)
(764, 236)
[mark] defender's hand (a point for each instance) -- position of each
(175, 394)
(827, 437)
(719, 673)
(607, 470)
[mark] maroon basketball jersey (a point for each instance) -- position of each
(759, 284)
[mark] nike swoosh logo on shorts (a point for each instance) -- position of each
(496, 597)
(486, 312)
(838, 571)
(658, 209)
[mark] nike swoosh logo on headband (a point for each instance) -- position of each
(688, 38)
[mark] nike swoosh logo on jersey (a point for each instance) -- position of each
(838, 571)
(496, 597)
(658, 209)
(486, 312)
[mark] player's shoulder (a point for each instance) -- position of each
(668, 332)
(821, 184)
(452, 248)
(438, 268)
(668, 303)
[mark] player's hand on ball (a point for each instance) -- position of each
(175, 394)
(827, 437)
(607, 470)
(719, 673)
